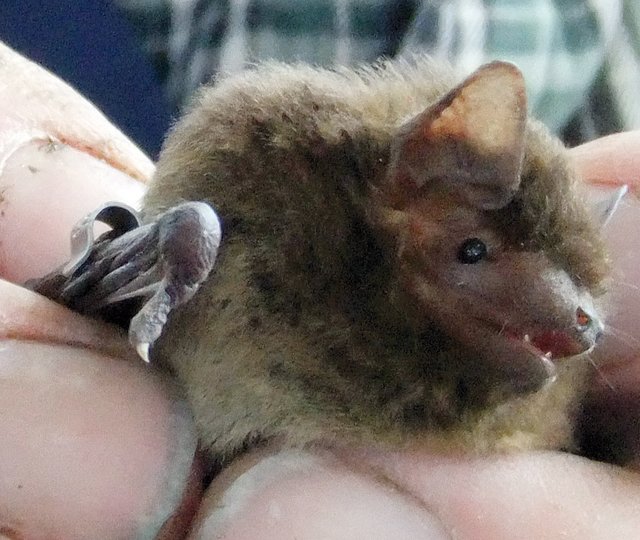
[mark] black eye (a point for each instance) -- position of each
(472, 251)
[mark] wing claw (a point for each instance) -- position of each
(162, 263)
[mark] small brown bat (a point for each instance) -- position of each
(405, 260)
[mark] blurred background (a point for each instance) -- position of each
(141, 60)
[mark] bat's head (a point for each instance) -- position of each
(492, 241)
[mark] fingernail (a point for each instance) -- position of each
(45, 188)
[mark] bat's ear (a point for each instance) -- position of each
(470, 142)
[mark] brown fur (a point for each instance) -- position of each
(305, 330)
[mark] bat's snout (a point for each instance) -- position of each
(581, 337)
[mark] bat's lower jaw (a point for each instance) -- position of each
(531, 360)
(528, 371)
(513, 366)
(506, 362)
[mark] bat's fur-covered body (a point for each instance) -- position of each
(339, 308)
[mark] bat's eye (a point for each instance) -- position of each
(472, 251)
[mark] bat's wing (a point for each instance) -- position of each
(161, 264)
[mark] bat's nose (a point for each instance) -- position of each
(583, 318)
(589, 325)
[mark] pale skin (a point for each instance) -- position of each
(97, 447)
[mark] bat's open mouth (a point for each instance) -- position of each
(551, 344)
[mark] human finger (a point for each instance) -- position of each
(34, 104)
(93, 446)
(59, 159)
(611, 412)
(377, 495)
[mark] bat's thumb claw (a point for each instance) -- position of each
(143, 351)
(146, 326)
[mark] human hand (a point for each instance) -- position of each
(97, 439)
(93, 445)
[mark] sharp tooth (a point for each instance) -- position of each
(548, 354)
(526, 338)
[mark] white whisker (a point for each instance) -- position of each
(600, 373)
(504, 325)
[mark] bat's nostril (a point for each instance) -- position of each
(583, 318)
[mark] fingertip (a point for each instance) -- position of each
(301, 494)
(46, 188)
(109, 449)
(32, 99)
(613, 160)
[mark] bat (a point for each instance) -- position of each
(405, 259)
